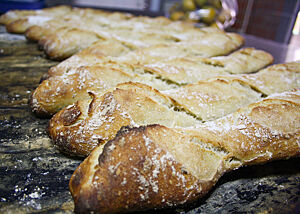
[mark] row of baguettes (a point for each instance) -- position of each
(157, 167)
(113, 59)
(135, 71)
(62, 31)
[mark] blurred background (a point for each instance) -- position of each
(271, 25)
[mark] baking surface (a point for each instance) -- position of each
(34, 175)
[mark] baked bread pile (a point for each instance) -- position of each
(160, 109)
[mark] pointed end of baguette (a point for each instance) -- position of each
(144, 168)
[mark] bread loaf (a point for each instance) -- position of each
(142, 168)
(145, 168)
(67, 37)
(67, 84)
(78, 128)
(75, 29)
(17, 21)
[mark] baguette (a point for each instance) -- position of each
(142, 168)
(158, 54)
(67, 84)
(17, 21)
(75, 29)
(74, 86)
(286, 76)
(154, 172)
(136, 39)
(74, 19)
(263, 131)
(192, 69)
(78, 128)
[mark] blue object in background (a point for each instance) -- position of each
(6, 5)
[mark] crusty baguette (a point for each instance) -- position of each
(189, 70)
(77, 129)
(63, 31)
(156, 167)
(77, 18)
(79, 82)
(18, 21)
(67, 84)
(136, 38)
(286, 76)
(152, 56)
(92, 55)
(64, 38)
(213, 98)
(263, 131)
(144, 168)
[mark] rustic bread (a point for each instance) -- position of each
(213, 98)
(142, 168)
(17, 21)
(192, 69)
(286, 76)
(76, 18)
(136, 38)
(67, 84)
(263, 131)
(63, 31)
(78, 128)
(73, 86)
(151, 56)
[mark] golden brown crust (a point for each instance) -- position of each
(213, 98)
(276, 78)
(86, 25)
(72, 86)
(79, 128)
(171, 73)
(11, 16)
(156, 167)
(265, 130)
(63, 39)
(135, 172)
(18, 21)
(137, 40)
(136, 104)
